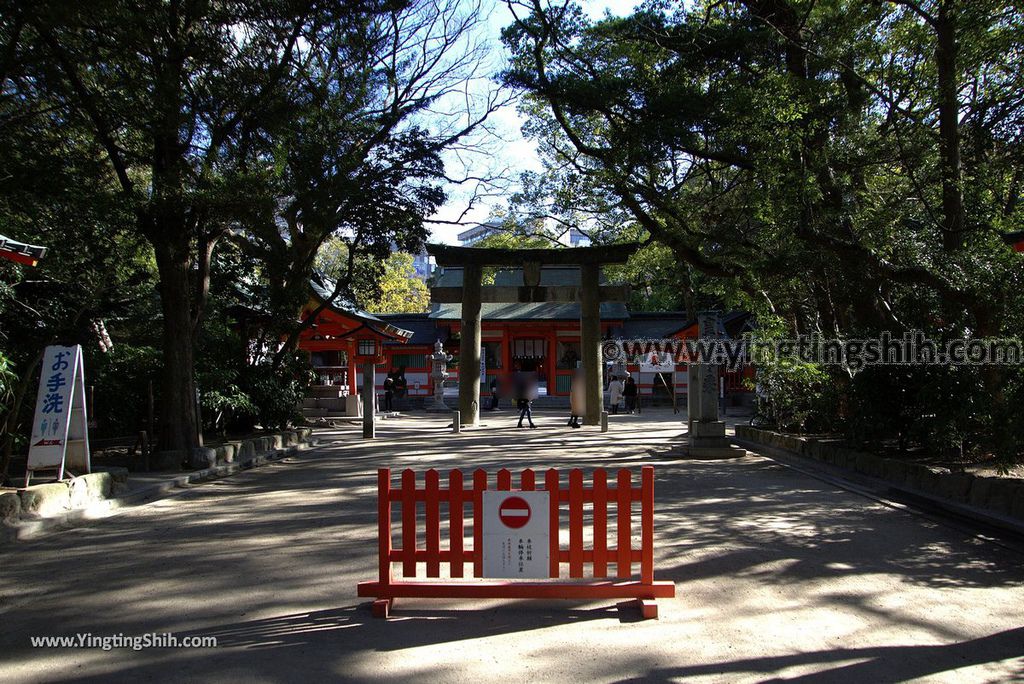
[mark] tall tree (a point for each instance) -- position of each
(273, 122)
(175, 93)
(845, 166)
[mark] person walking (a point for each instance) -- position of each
(494, 393)
(629, 393)
(577, 399)
(524, 398)
(389, 390)
(615, 393)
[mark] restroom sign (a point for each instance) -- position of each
(516, 534)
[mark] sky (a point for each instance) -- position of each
(510, 150)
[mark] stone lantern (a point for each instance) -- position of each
(438, 374)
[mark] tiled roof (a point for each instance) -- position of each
(424, 330)
(322, 290)
(540, 311)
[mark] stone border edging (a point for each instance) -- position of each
(999, 500)
(92, 496)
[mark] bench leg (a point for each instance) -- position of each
(381, 608)
(648, 608)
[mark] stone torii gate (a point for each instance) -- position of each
(472, 294)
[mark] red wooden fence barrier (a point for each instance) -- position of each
(621, 559)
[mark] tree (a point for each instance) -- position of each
(388, 286)
(845, 167)
(360, 162)
(272, 123)
(175, 95)
(400, 290)
(56, 190)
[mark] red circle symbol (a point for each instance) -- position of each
(514, 512)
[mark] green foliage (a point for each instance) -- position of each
(121, 382)
(795, 396)
(832, 165)
(228, 407)
(388, 286)
(277, 392)
(7, 379)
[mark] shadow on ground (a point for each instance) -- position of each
(777, 574)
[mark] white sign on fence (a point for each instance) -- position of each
(516, 534)
(657, 362)
(60, 438)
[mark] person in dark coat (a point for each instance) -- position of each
(389, 390)
(629, 393)
(494, 393)
(525, 393)
(577, 399)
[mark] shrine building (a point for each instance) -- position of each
(537, 337)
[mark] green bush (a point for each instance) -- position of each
(277, 394)
(796, 396)
(120, 381)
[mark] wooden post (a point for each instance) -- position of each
(623, 495)
(455, 527)
(432, 510)
(382, 606)
(647, 524)
(479, 485)
(369, 382)
(350, 359)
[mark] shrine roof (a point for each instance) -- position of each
(322, 290)
(539, 311)
(423, 329)
(654, 325)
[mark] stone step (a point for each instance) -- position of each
(314, 412)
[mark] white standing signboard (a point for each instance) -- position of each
(516, 534)
(60, 440)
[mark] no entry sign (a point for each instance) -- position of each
(514, 512)
(516, 534)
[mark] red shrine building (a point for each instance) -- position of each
(541, 338)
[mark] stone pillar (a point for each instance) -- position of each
(707, 433)
(692, 394)
(590, 341)
(369, 382)
(469, 346)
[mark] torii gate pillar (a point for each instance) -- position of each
(590, 342)
(469, 346)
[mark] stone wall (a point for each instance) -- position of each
(1000, 495)
(56, 499)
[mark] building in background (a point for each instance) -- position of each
(578, 239)
(541, 338)
(477, 233)
(422, 264)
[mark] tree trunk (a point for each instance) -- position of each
(178, 425)
(12, 419)
(953, 224)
